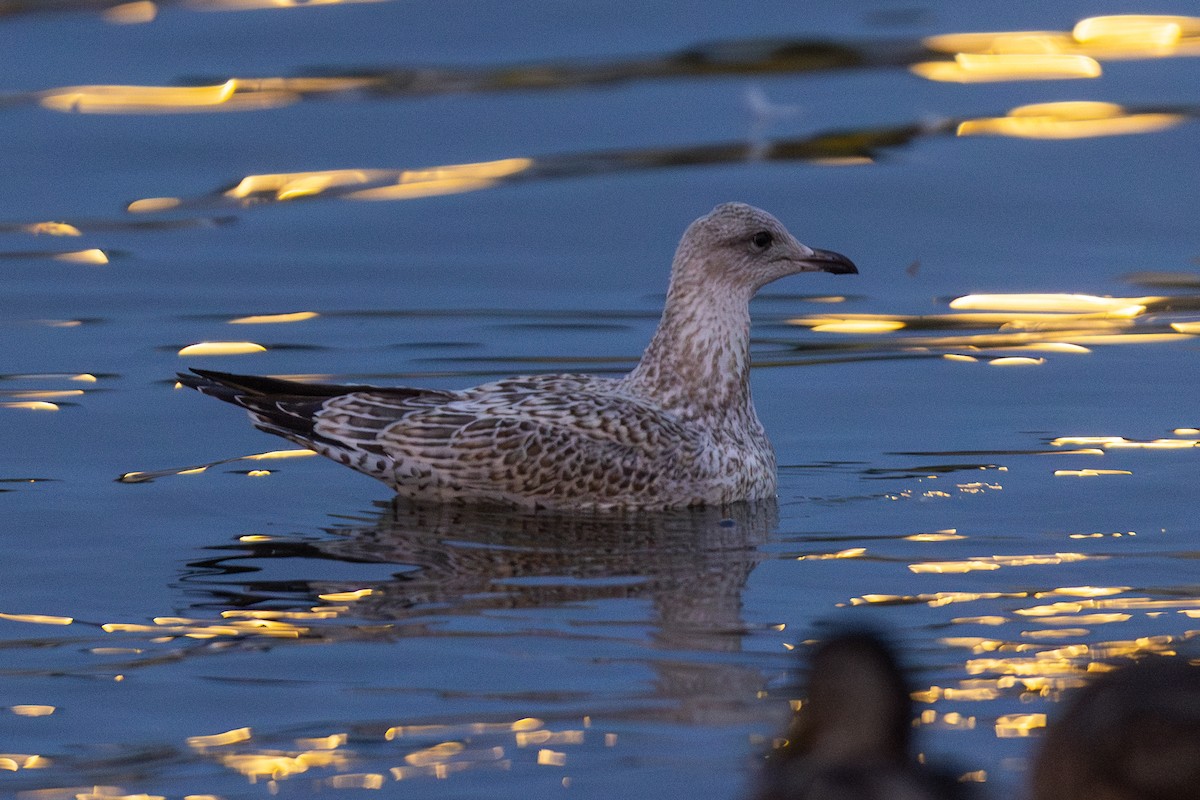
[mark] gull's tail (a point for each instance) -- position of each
(290, 408)
(282, 407)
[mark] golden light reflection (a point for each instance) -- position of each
(1124, 603)
(277, 765)
(147, 476)
(1089, 473)
(364, 780)
(1017, 667)
(434, 754)
(851, 552)
(1012, 328)
(1085, 619)
(202, 629)
(37, 619)
(933, 599)
(255, 613)
(952, 567)
(996, 562)
(272, 319)
(1053, 347)
(1053, 303)
(543, 736)
(1120, 442)
(272, 455)
(977, 694)
(1014, 725)
(256, 5)
(358, 184)
(220, 739)
(978, 644)
(150, 205)
(331, 742)
(1016, 361)
(450, 179)
(285, 186)
(1108, 37)
(30, 405)
(34, 394)
(948, 535)
(51, 229)
(978, 487)
(32, 710)
(1085, 591)
(137, 12)
(474, 728)
(221, 349)
(1056, 633)
(93, 256)
(952, 720)
(1055, 608)
(13, 762)
(858, 326)
(993, 67)
(1069, 120)
(1036, 670)
(227, 96)
(346, 597)
(1132, 33)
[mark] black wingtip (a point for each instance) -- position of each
(220, 385)
(196, 379)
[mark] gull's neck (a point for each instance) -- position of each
(698, 363)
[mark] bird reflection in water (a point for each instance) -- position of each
(461, 561)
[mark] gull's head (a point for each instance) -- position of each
(740, 246)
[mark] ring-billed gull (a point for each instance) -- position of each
(679, 430)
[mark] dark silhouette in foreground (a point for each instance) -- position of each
(1132, 734)
(851, 737)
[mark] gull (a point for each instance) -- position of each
(679, 430)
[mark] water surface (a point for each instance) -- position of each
(987, 439)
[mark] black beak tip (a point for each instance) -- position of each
(835, 263)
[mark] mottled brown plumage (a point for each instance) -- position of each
(679, 430)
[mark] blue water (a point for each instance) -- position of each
(655, 652)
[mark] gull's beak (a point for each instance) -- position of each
(829, 261)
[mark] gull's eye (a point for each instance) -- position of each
(762, 240)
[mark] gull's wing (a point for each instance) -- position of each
(518, 440)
